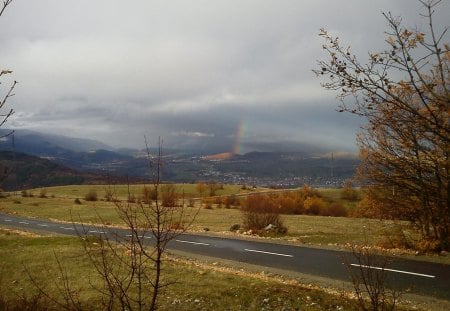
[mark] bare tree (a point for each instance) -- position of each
(128, 265)
(4, 115)
(403, 93)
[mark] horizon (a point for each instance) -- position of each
(203, 75)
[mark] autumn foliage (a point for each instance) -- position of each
(403, 94)
(260, 210)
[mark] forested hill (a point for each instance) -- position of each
(22, 171)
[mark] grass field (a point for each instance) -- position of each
(121, 191)
(198, 287)
(302, 229)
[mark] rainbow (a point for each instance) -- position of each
(240, 129)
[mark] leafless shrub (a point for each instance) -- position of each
(369, 277)
(130, 268)
(91, 195)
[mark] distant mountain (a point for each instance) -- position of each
(262, 168)
(21, 171)
(37, 143)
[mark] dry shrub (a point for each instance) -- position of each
(259, 211)
(208, 203)
(109, 194)
(305, 201)
(231, 201)
(336, 210)
(148, 195)
(91, 195)
(43, 193)
(315, 206)
(168, 195)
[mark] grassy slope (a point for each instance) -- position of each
(197, 287)
(302, 228)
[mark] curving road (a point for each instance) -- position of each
(423, 278)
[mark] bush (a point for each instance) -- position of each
(315, 206)
(43, 193)
(336, 210)
(231, 201)
(109, 195)
(148, 195)
(91, 196)
(169, 196)
(259, 211)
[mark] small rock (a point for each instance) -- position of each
(443, 253)
(266, 300)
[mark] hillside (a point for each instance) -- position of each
(280, 169)
(21, 171)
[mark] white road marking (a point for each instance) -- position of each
(24, 222)
(142, 237)
(8, 220)
(43, 225)
(190, 242)
(392, 270)
(67, 228)
(268, 253)
(96, 231)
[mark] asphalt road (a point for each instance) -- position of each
(423, 278)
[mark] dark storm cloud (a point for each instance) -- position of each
(193, 72)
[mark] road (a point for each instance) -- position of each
(423, 278)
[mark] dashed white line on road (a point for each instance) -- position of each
(67, 228)
(43, 225)
(96, 231)
(393, 270)
(190, 242)
(142, 237)
(8, 220)
(268, 253)
(24, 222)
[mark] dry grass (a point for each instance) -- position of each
(198, 287)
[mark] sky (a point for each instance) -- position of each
(210, 75)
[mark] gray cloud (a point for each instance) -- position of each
(190, 71)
